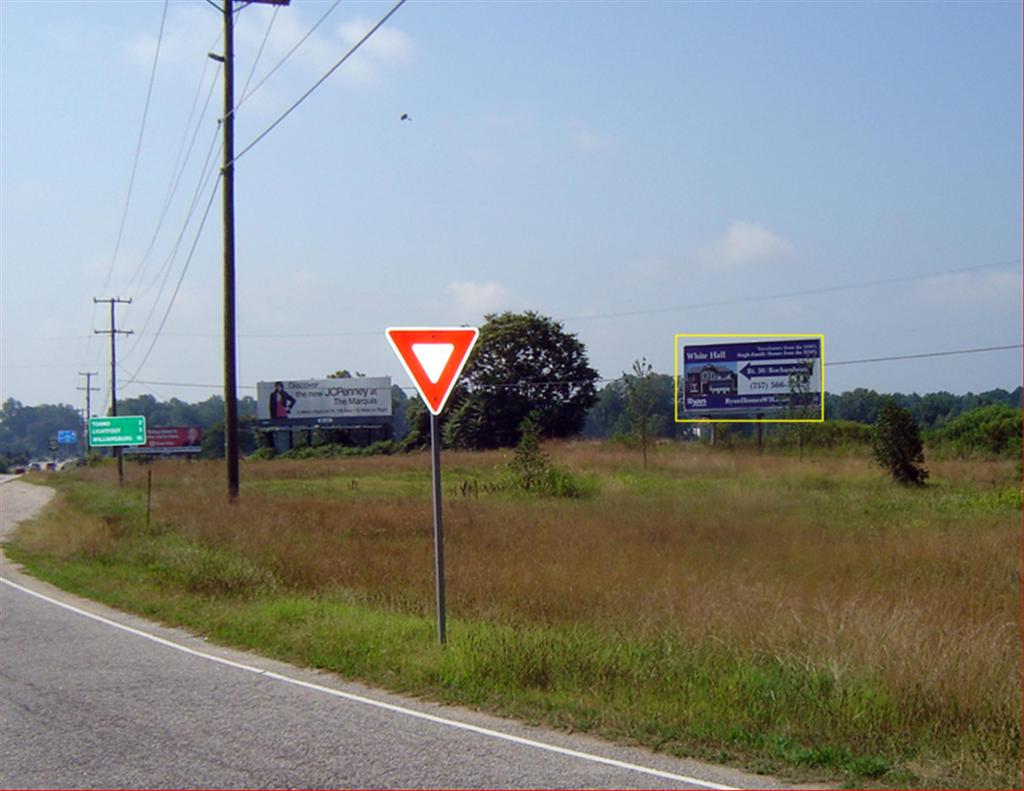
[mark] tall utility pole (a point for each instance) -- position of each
(113, 332)
(228, 174)
(89, 390)
(82, 429)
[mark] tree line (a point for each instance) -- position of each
(526, 366)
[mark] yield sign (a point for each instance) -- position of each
(433, 357)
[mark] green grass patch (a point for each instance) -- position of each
(663, 694)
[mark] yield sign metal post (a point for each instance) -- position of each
(435, 467)
(434, 357)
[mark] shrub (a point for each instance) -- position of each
(994, 429)
(529, 463)
(530, 470)
(897, 444)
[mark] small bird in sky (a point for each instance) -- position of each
(405, 117)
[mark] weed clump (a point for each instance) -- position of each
(530, 469)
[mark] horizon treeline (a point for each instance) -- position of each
(26, 431)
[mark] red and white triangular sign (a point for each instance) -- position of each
(433, 357)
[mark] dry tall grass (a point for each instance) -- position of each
(821, 563)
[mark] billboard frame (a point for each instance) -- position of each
(326, 422)
(761, 336)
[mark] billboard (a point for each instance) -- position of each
(171, 439)
(781, 376)
(362, 401)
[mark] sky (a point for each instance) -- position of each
(634, 170)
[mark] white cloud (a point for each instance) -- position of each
(971, 291)
(747, 243)
(479, 298)
(586, 139)
(190, 32)
(388, 48)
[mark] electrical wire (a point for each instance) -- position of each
(788, 294)
(259, 53)
(181, 278)
(246, 94)
(179, 166)
(926, 354)
(319, 82)
(206, 172)
(138, 147)
(605, 380)
(134, 170)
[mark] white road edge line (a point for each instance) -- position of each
(376, 703)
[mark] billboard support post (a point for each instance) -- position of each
(435, 466)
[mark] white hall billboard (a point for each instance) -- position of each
(748, 380)
(363, 401)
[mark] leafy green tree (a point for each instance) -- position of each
(465, 426)
(213, 439)
(897, 444)
(994, 429)
(525, 362)
(417, 418)
(26, 431)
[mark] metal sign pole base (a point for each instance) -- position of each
(435, 454)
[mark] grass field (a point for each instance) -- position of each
(805, 618)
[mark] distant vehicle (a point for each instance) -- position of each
(51, 466)
(21, 469)
(35, 466)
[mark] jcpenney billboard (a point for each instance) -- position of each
(750, 378)
(361, 401)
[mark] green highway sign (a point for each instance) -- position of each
(111, 432)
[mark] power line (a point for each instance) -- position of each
(181, 278)
(605, 380)
(259, 54)
(926, 354)
(788, 294)
(131, 180)
(319, 82)
(138, 146)
(206, 172)
(246, 93)
(180, 163)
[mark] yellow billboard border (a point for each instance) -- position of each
(767, 337)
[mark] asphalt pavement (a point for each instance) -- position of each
(92, 697)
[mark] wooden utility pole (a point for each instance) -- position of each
(113, 332)
(228, 175)
(89, 390)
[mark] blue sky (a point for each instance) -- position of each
(584, 160)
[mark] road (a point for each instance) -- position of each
(91, 697)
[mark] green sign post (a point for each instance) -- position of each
(113, 432)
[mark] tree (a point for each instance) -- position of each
(529, 463)
(640, 399)
(897, 444)
(800, 397)
(524, 362)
